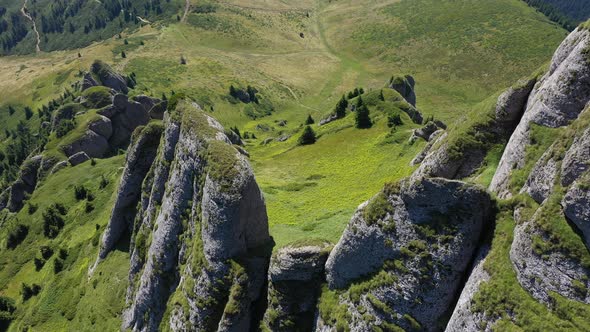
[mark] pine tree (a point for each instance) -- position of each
(123, 55)
(307, 137)
(309, 120)
(340, 110)
(362, 118)
(381, 97)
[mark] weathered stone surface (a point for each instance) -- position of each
(93, 144)
(542, 178)
(550, 272)
(25, 183)
(157, 111)
(103, 74)
(576, 207)
(88, 81)
(424, 132)
(200, 210)
(463, 318)
(139, 160)
(405, 87)
(577, 159)
(130, 115)
(78, 158)
(102, 126)
(147, 102)
(558, 98)
(438, 162)
(434, 138)
(512, 103)
(398, 233)
(295, 276)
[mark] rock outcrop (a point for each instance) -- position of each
(543, 271)
(200, 235)
(459, 155)
(295, 277)
(408, 249)
(24, 185)
(102, 74)
(558, 98)
(463, 317)
(576, 207)
(405, 86)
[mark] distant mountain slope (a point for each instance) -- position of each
(567, 13)
(67, 24)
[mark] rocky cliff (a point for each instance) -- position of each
(198, 226)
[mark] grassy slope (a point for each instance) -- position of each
(310, 191)
(68, 300)
(346, 44)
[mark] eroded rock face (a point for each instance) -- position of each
(199, 207)
(438, 160)
(576, 160)
(542, 178)
(139, 160)
(463, 317)
(542, 273)
(295, 276)
(557, 99)
(103, 74)
(405, 87)
(24, 185)
(576, 207)
(394, 226)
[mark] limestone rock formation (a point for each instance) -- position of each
(557, 99)
(102, 74)
(451, 158)
(411, 246)
(405, 87)
(295, 276)
(200, 236)
(24, 185)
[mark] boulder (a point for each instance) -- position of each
(157, 111)
(78, 158)
(102, 126)
(93, 144)
(104, 75)
(88, 81)
(147, 102)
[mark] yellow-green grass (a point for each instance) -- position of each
(312, 191)
(346, 44)
(68, 300)
(459, 51)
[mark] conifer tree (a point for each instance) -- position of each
(309, 120)
(340, 110)
(307, 137)
(362, 118)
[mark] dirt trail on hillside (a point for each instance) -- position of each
(30, 18)
(187, 7)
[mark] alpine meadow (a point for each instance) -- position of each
(312, 165)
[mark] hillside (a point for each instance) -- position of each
(153, 172)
